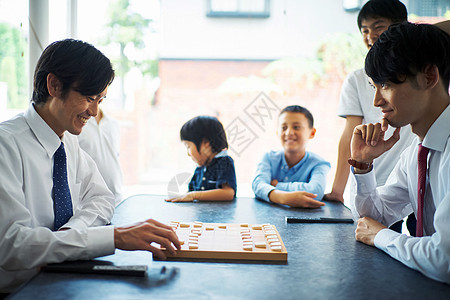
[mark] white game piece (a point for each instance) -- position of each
(244, 225)
(271, 240)
(209, 228)
(256, 227)
(222, 226)
(245, 230)
(269, 232)
(185, 225)
(276, 248)
(193, 246)
(275, 244)
(260, 244)
(197, 225)
(272, 236)
(247, 247)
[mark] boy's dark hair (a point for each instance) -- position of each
(406, 49)
(393, 10)
(299, 109)
(203, 128)
(77, 64)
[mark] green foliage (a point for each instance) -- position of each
(342, 53)
(301, 71)
(123, 28)
(12, 65)
(337, 55)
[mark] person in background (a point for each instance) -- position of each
(356, 103)
(409, 66)
(100, 138)
(54, 204)
(215, 177)
(292, 176)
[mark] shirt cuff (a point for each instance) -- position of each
(75, 223)
(384, 237)
(366, 183)
(100, 241)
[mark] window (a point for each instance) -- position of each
(13, 57)
(429, 8)
(238, 8)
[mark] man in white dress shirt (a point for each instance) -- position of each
(409, 66)
(70, 81)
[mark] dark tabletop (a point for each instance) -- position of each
(324, 261)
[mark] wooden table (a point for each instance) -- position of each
(324, 261)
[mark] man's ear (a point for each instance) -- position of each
(313, 133)
(431, 76)
(54, 86)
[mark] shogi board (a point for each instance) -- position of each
(228, 241)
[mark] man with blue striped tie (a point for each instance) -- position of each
(54, 204)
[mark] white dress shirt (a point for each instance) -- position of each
(398, 198)
(102, 142)
(27, 146)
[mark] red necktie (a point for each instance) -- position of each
(422, 179)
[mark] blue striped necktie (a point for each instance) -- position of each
(62, 202)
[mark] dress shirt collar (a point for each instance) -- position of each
(44, 134)
(437, 135)
(221, 154)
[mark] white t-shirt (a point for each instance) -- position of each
(356, 99)
(27, 147)
(102, 143)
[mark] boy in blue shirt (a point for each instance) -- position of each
(293, 176)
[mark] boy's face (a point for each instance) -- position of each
(201, 157)
(372, 28)
(294, 131)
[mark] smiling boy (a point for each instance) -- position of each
(293, 176)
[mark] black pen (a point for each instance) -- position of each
(318, 220)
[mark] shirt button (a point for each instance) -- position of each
(202, 188)
(286, 178)
(204, 178)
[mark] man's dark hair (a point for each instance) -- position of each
(301, 110)
(77, 65)
(203, 128)
(393, 10)
(406, 49)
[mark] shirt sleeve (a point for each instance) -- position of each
(430, 254)
(316, 184)
(261, 183)
(24, 246)
(387, 204)
(226, 174)
(349, 103)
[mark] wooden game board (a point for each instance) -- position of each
(228, 241)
